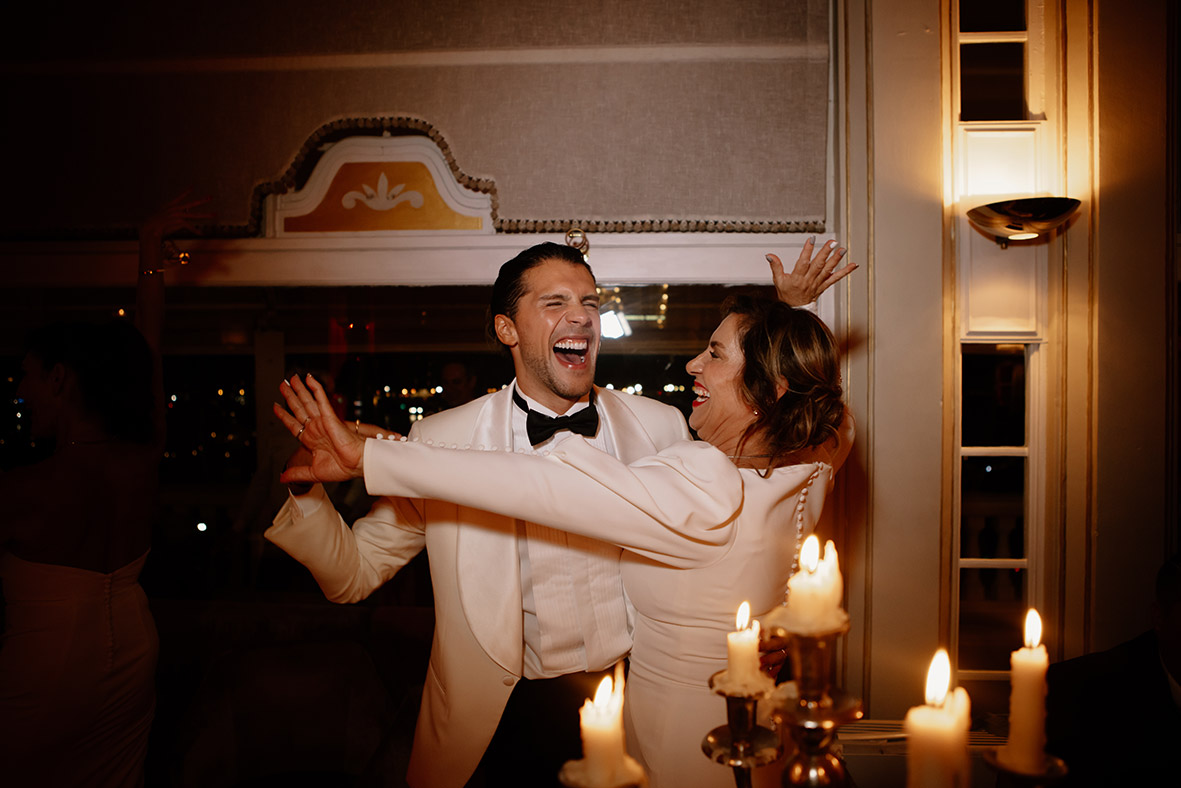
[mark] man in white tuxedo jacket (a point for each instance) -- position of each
(513, 600)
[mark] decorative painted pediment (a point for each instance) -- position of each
(376, 186)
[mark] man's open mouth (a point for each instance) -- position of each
(572, 351)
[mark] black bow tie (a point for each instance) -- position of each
(539, 426)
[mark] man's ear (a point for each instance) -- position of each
(506, 330)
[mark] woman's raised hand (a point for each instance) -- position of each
(337, 449)
(812, 275)
(179, 213)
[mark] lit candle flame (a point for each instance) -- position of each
(603, 693)
(810, 554)
(1033, 629)
(938, 678)
(742, 620)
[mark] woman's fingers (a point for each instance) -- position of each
(298, 474)
(297, 411)
(288, 420)
(307, 403)
(372, 431)
(776, 266)
(835, 276)
(323, 405)
(828, 250)
(806, 251)
(332, 426)
(826, 265)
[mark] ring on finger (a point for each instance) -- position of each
(301, 429)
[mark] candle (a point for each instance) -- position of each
(602, 732)
(1025, 749)
(814, 592)
(742, 648)
(937, 733)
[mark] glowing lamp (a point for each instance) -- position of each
(1022, 220)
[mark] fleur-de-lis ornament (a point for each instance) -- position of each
(383, 198)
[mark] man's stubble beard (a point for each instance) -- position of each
(545, 374)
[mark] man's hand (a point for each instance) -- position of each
(811, 275)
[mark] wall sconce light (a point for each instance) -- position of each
(612, 322)
(1022, 220)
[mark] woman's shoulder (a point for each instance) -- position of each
(643, 407)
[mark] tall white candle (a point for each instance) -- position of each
(1025, 750)
(937, 733)
(814, 592)
(602, 732)
(742, 647)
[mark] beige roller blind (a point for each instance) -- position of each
(596, 111)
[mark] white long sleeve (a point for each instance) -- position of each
(676, 507)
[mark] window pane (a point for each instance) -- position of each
(209, 421)
(990, 700)
(991, 16)
(992, 81)
(992, 507)
(993, 395)
(992, 615)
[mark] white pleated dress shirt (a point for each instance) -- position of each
(576, 615)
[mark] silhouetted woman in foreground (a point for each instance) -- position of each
(78, 660)
(78, 654)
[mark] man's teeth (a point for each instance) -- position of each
(572, 345)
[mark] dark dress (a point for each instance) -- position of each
(77, 669)
(79, 648)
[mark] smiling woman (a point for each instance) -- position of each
(721, 414)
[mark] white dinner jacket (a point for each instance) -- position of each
(477, 653)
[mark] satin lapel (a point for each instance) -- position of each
(487, 562)
(628, 433)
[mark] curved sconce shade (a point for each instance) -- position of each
(1022, 220)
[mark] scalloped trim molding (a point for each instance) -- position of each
(656, 226)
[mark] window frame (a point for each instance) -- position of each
(970, 329)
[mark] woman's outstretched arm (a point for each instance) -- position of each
(677, 507)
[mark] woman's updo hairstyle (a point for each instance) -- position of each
(782, 344)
